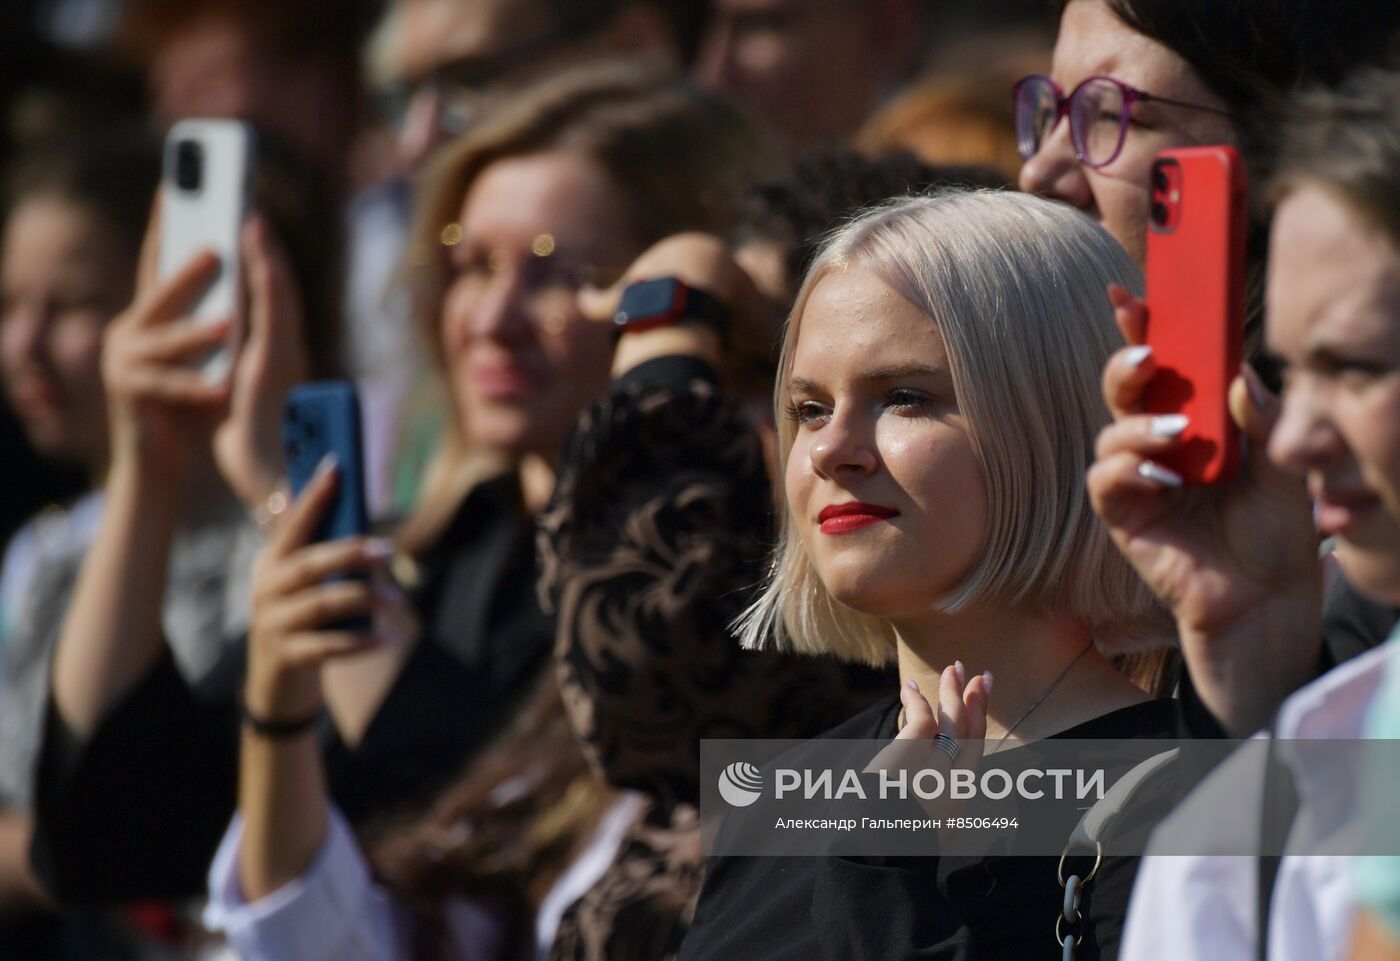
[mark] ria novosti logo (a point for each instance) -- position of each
(740, 784)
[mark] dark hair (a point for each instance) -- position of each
(1253, 53)
(828, 186)
(111, 173)
(1347, 140)
(337, 28)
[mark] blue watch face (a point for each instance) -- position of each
(647, 299)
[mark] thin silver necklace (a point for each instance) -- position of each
(1038, 701)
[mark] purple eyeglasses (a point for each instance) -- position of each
(1098, 111)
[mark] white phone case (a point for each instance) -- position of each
(208, 216)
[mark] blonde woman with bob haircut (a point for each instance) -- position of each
(938, 400)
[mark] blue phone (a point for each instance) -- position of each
(324, 418)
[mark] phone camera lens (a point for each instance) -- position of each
(1159, 180)
(1159, 214)
(189, 165)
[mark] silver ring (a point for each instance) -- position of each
(949, 746)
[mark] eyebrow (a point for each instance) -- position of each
(879, 375)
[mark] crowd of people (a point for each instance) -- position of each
(884, 471)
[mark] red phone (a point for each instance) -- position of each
(1195, 302)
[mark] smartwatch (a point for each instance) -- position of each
(664, 302)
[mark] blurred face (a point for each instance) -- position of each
(882, 482)
(1334, 319)
(216, 67)
(437, 42)
(1094, 42)
(813, 68)
(523, 361)
(61, 283)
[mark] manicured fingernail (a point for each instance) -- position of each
(378, 548)
(987, 681)
(913, 685)
(327, 464)
(1168, 425)
(1134, 356)
(1159, 474)
(960, 672)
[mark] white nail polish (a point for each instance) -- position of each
(987, 680)
(1168, 425)
(1134, 356)
(960, 671)
(327, 464)
(1159, 474)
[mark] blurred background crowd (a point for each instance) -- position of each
(449, 196)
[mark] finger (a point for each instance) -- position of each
(600, 304)
(1125, 379)
(178, 342)
(275, 306)
(1122, 486)
(1146, 436)
(952, 717)
(307, 510)
(313, 564)
(173, 386)
(319, 607)
(309, 648)
(920, 723)
(173, 296)
(148, 265)
(975, 698)
(1129, 313)
(1253, 406)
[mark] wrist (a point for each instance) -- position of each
(284, 698)
(686, 341)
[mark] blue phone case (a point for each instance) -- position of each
(318, 419)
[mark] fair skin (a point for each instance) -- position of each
(485, 39)
(1334, 297)
(60, 287)
(814, 69)
(1334, 294)
(878, 424)
(523, 361)
(1238, 567)
(1093, 42)
(169, 426)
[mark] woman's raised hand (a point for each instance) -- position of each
(703, 261)
(161, 407)
(961, 712)
(248, 443)
(1235, 562)
(296, 610)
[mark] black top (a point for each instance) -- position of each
(137, 810)
(886, 908)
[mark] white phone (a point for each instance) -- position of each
(206, 184)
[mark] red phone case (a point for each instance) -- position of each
(1195, 302)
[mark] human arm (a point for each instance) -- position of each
(282, 795)
(653, 543)
(1236, 563)
(163, 415)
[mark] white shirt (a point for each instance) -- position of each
(336, 911)
(1205, 905)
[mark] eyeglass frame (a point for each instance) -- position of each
(1131, 95)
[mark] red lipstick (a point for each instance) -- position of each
(852, 516)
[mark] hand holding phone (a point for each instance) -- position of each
(205, 189)
(1195, 303)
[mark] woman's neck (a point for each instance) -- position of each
(1026, 653)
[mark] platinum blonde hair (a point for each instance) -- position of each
(1016, 285)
